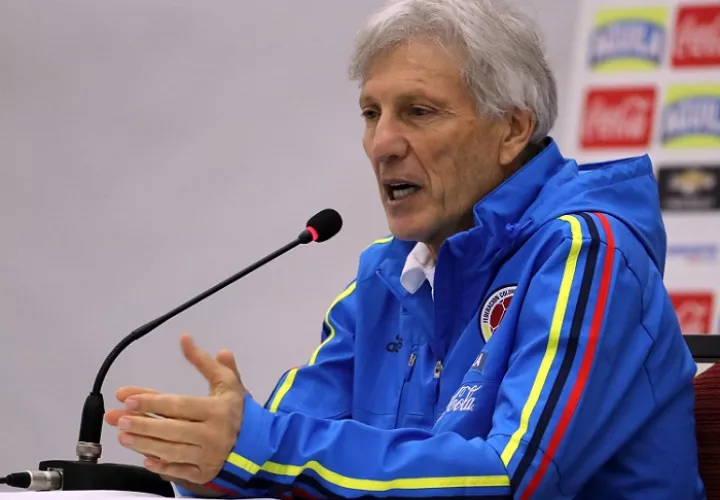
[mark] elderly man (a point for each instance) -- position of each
(512, 339)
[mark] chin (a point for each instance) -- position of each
(407, 229)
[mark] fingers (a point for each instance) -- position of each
(186, 472)
(125, 392)
(227, 359)
(165, 451)
(198, 490)
(214, 372)
(170, 406)
(163, 429)
(112, 416)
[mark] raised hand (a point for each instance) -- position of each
(196, 434)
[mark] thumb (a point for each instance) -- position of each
(218, 375)
(227, 359)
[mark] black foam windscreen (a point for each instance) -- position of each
(326, 224)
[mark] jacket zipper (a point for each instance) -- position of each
(410, 365)
(437, 372)
(408, 374)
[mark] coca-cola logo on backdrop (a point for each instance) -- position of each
(618, 117)
(694, 311)
(697, 36)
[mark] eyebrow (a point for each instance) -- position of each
(406, 97)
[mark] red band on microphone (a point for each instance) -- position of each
(312, 231)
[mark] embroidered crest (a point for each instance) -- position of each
(479, 362)
(493, 310)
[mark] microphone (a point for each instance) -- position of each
(86, 473)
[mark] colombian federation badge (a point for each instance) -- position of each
(493, 310)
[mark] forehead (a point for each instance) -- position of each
(418, 66)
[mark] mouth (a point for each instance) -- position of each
(397, 191)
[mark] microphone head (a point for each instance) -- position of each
(322, 226)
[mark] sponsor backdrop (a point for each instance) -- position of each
(647, 80)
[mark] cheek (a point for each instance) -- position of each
(438, 163)
(367, 141)
(466, 173)
(376, 171)
(449, 170)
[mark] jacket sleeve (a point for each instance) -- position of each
(576, 388)
(321, 388)
(580, 304)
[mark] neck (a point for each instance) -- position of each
(437, 240)
(530, 152)
(467, 222)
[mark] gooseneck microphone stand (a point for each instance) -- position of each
(87, 473)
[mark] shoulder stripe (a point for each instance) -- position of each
(556, 325)
(598, 315)
(290, 379)
(380, 241)
(570, 352)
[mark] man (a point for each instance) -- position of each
(512, 339)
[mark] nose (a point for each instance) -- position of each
(386, 141)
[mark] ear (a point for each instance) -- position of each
(518, 129)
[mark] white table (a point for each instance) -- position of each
(76, 495)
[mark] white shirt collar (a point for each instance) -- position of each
(419, 266)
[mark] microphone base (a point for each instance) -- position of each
(81, 476)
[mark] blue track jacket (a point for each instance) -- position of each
(550, 364)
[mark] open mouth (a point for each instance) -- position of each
(400, 191)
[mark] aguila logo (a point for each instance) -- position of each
(493, 310)
(618, 117)
(691, 116)
(627, 38)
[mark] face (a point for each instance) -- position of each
(433, 156)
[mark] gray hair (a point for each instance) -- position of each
(504, 63)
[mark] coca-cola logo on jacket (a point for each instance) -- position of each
(618, 117)
(697, 36)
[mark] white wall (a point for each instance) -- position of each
(149, 150)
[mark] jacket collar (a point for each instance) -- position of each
(503, 215)
(501, 219)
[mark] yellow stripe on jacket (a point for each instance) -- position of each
(551, 350)
(351, 483)
(290, 379)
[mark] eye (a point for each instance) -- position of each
(370, 114)
(420, 111)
